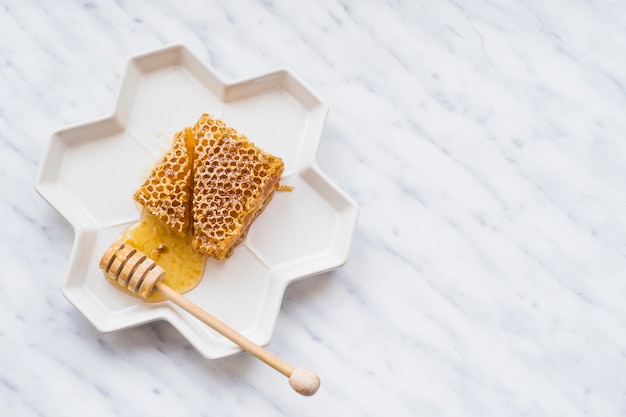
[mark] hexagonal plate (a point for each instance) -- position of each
(90, 172)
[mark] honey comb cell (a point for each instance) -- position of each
(166, 192)
(233, 182)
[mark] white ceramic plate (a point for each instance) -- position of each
(90, 172)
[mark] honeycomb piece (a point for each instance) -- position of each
(233, 182)
(166, 192)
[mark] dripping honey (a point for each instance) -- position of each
(171, 252)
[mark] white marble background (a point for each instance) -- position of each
(485, 142)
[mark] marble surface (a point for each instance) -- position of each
(484, 142)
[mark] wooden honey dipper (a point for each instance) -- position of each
(133, 270)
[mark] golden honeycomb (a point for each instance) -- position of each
(233, 181)
(211, 185)
(166, 192)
